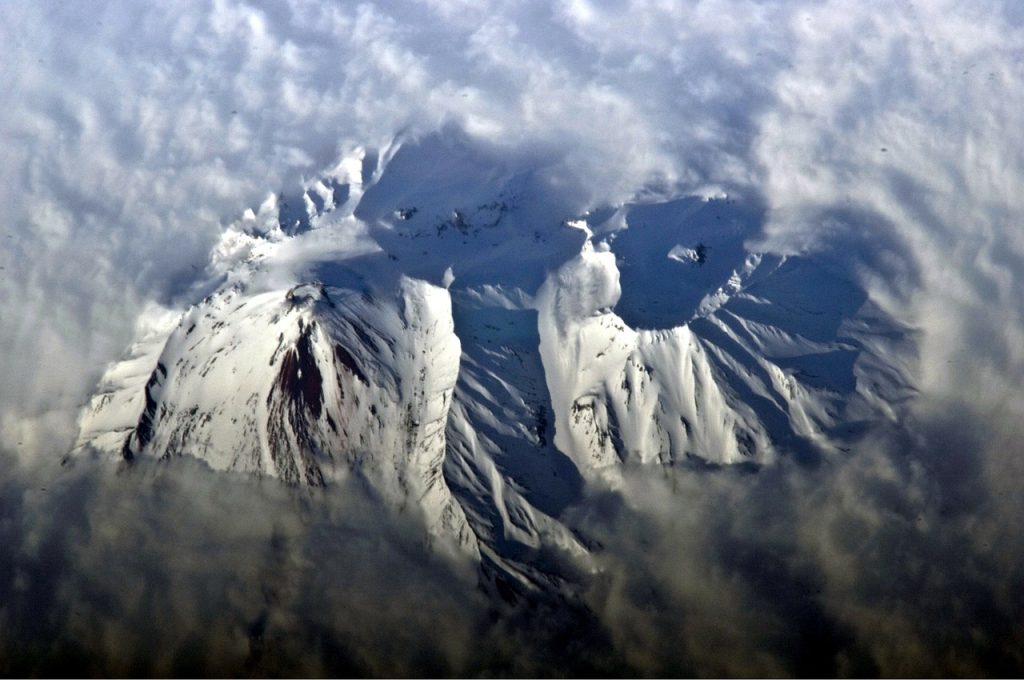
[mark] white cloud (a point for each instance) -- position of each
(131, 133)
(888, 136)
(911, 118)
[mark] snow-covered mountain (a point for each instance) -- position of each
(455, 329)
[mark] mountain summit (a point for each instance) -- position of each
(452, 328)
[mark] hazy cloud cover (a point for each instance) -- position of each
(887, 137)
(132, 133)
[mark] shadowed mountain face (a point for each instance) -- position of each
(673, 257)
(444, 326)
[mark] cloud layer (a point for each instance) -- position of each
(886, 138)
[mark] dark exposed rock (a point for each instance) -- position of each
(349, 362)
(143, 432)
(299, 377)
(296, 403)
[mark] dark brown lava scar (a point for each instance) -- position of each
(300, 376)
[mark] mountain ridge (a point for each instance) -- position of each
(444, 326)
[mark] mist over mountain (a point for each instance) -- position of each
(511, 339)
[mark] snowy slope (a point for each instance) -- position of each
(455, 329)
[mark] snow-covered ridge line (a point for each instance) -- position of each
(434, 320)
